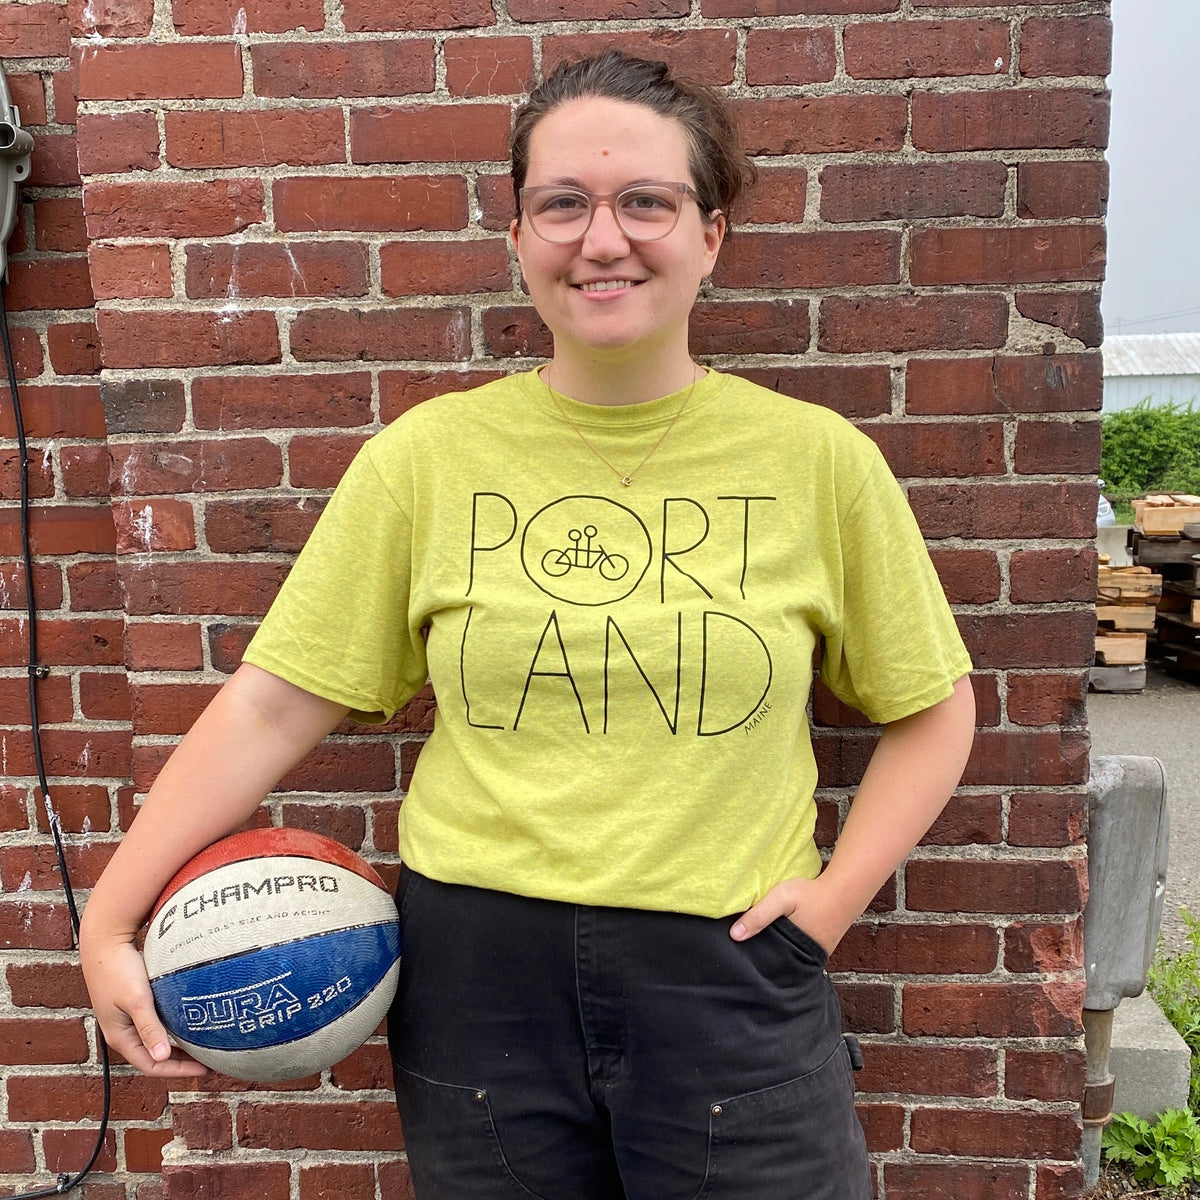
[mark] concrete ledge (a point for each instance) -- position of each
(1149, 1060)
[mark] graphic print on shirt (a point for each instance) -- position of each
(642, 621)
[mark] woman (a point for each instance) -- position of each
(616, 571)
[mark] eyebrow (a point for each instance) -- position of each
(572, 181)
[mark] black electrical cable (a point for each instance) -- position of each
(37, 671)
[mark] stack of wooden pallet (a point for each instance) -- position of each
(1166, 538)
(1126, 600)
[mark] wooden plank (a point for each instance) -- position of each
(1126, 616)
(1158, 520)
(1114, 649)
(1182, 598)
(1157, 551)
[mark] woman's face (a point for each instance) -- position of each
(602, 146)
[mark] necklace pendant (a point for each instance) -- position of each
(627, 481)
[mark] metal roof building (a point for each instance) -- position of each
(1163, 367)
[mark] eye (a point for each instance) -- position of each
(647, 201)
(562, 203)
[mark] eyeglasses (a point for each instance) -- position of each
(645, 212)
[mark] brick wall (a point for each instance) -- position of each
(295, 216)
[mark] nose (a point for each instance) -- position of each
(605, 240)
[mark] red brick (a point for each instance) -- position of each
(81, 808)
(905, 323)
(1047, 699)
(791, 56)
(130, 272)
(1047, 818)
(907, 49)
(1027, 759)
(228, 1180)
(961, 1180)
(1043, 947)
(66, 1149)
(48, 283)
(174, 209)
(161, 524)
(338, 335)
(795, 8)
(364, 1125)
(43, 1040)
(27, 356)
(281, 401)
(359, 766)
(822, 124)
(163, 71)
(55, 161)
(201, 588)
(14, 806)
(888, 949)
(1077, 314)
(1013, 886)
(344, 824)
(55, 703)
(165, 338)
(73, 640)
(378, 204)
(1066, 47)
(1015, 1134)
(34, 31)
(199, 18)
(856, 392)
(110, 18)
(920, 448)
(118, 142)
(997, 1010)
(48, 590)
(968, 576)
(163, 646)
(1057, 639)
(1003, 383)
(103, 696)
(37, 867)
(16, 1150)
(402, 390)
(1045, 1074)
(93, 586)
(499, 66)
(1049, 576)
(47, 984)
(144, 1147)
(923, 1070)
(204, 1125)
(444, 268)
(85, 472)
(226, 645)
(883, 1125)
(497, 207)
(66, 108)
(338, 1181)
(330, 70)
(1060, 1181)
(248, 270)
(705, 55)
(261, 525)
(143, 405)
(56, 411)
(1054, 190)
(260, 137)
(1054, 447)
(1047, 254)
(74, 348)
(27, 90)
(1049, 119)
(395, 1180)
(1005, 511)
(362, 15)
(59, 225)
(595, 10)
(793, 260)
(779, 195)
(903, 191)
(444, 133)
(368, 1068)
(32, 924)
(320, 462)
(190, 466)
(867, 1007)
(966, 821)
(169, 708)
(750, 327)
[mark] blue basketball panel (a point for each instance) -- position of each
(276, 994)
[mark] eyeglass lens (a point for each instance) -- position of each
(644, 213)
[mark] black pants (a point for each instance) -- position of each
(564, 1052)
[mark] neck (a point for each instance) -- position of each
(608, 382)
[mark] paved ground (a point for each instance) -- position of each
(1164, 723)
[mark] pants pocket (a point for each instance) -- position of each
(453, 1150)
(799, 1138)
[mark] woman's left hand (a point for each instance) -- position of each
(811, 904)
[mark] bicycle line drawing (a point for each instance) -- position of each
(588, 556)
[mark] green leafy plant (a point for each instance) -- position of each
(1150, 448)
(1174, 982)
(1166, 1153)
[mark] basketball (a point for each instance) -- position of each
(273, 954)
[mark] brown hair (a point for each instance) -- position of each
(721, 172)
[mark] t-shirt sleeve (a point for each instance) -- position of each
(896, 649)
(341, 626)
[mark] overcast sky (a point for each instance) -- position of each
(1153, 282)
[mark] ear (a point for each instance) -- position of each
(514, 235)
(714, 236)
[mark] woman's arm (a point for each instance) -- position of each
(912, 773)
(256, 728)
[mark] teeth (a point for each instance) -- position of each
(606, 285)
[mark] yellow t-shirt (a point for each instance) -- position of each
(621, 672)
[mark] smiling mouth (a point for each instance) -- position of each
(608, 285)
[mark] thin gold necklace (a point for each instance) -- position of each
(626, 477)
